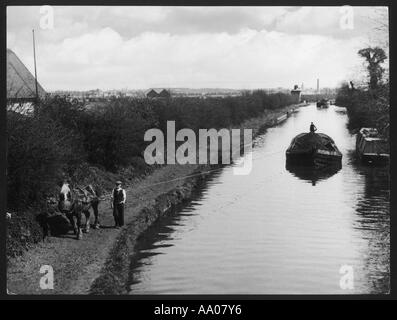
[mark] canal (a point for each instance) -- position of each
(275, 231)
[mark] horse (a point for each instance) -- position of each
(74, 202)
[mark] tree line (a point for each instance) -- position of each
(64, 139)
(368, 106)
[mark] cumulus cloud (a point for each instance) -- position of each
(186, 47)
(327, 21)
(248, 59)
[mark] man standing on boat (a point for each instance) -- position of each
(312, 128)
(117, 203)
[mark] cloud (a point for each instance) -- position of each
(141, 47)
(130, 21)
(142, 13)
(327, 21)
(248, 59)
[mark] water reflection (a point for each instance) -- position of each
(162, 233)
(313, 174)
(373, 222)
(272, 232)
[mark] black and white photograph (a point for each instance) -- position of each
(197, 150)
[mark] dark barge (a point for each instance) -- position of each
(323, 103)
(313, 149)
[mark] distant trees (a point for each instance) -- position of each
(374, 58)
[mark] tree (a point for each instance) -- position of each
(374, 57)
(38, 149)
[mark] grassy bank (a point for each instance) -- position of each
(62, 139)
(99, 263)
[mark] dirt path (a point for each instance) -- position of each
(77, 264)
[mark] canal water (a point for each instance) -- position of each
(276, 231)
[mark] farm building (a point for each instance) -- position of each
(21, 85)
(158, 93)
(164, 94)
(152, 94)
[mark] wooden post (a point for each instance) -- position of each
(35, 69)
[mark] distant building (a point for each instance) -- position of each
(152, 94)
(157, 93)
(21, 86)
(164, 94)
(296, 94)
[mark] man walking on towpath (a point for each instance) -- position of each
(117, 203)
(312, 128)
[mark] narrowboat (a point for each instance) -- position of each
(323, 103)
(282, 118)
(371, 147)
(340, 110)
(313, 149)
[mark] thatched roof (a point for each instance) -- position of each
(20, 82)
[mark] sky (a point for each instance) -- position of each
(192, 47)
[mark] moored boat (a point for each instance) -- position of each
(282, 118)
(371, 147)
(340, 110)
(313, 149)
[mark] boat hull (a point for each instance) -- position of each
(374, 158)
(301, 159)
(322, 103)
(371, 148)
(318, 158)
(308, 149)
(324, 158)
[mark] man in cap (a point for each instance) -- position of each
(313, 128)
(117, 203)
